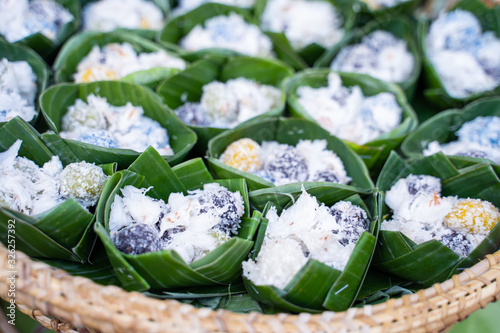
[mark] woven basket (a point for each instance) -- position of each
(44, 293)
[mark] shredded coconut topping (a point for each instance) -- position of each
(99, 123)
(192, 225)
(347, 113)
(306, 230)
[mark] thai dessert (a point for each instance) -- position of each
(283, 164)
(183, 6)
(464, 57)
(108, 15)
(17, 90)
(304, 22)
(479, 137)
(228, 32)
(32, 190)
(99, 123)
(346, 113)
(192, 224)
(22, 18)
(422, 214)
(380, 55)
(227, 104)
(115, 61)
(306, 230)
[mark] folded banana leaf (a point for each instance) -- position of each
(47, 48)
(166, 270)
(375, 152)
(64, 232)
(431, 262)
(318, 287)
(435, 91)
(56, 100)
(17, 52)
(187, 86)
(79, 46)
(401, 28)
(442, 128)
(288, 131)
(306, 56)
(369, 10)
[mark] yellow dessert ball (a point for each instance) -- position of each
(472, 216)
(243, 155)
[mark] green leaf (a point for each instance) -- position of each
(193, 174)
(56, 100)
(289, 131)
(200, 292)
(375, 152)
(58, 147)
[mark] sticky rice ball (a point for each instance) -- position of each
(82, 181)
(243, 154)
(472, 216)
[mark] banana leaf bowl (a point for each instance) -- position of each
(289, 131)
(443, 126)
(434, 90)
(307, 55)
(56, 100)
(316, 287)
(17, 52)
(431, 262)
(187, 86)
(63, 232)
(165, 270)
(375, 152)
(401, 28)
(78, 47)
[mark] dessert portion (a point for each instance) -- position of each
(99, 123)
(32, 190)
(115, 61)
(17, 90)
(422, 214)
(380, 55)
(107, 15)
(306, 230)
(22, 18)
(476, 138)
(304, 22)
(228, 32)
(346, 113)
(192, 224)
(227, 104)
(283, 164)
(464, 57)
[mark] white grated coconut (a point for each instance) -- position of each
(115, 61)
(306, 230)
(304, 22)
(347, 114)
(228, 32)
(31, 190)
(380, 55)
(99, 123)
(183, 6)
(22, 18)
(107, 15)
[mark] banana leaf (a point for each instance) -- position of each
(369, 11)
(79, 46)
(435, 91)
(63, 232)
(166, 270)
(187, 86)
(177, 27)
(56, 100)
(401, 28)
(375, 152)
(306, 56)
(318, 287)
(48, 48)
(288, 131)
(442, 128)
(17, 52)
(431, 262)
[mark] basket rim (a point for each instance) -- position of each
(45, 292)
